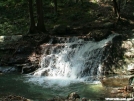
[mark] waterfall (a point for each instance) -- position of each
(72, 60)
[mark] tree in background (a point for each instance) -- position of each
(40, 17)
(117, 8)
(32, 28)
(118, 5)
(55, 6)
(40, 27)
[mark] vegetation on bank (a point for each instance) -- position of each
(15, 14)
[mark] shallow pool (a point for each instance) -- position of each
(16, 84)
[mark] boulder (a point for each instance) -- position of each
(128, 88)
(26, 68)
(14, 98)
(127, 45)
(130, 67)
(129, 54)
(84, 99)
(73, 96)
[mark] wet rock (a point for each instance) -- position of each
(77, 99)
(8, 69)
(128, 88)
(26, 68)
(14, 98)
(130, 67)
(45, 73)
(84, 99)
(58, 98)
(127, 45)
(129, 54)
(114, 91)
(126, 91)
(73, 96)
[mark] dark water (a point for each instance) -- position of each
(15, 84)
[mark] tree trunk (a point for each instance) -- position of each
(40, 23)
(32, 28)
(116, 8)
(55, 6)
(77, 1)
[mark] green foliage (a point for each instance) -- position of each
(14, 17)
(74, 14)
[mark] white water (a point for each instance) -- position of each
(74, 61)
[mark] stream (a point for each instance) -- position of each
(15, 84)
(18, 84)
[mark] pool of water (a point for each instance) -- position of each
(15, 84)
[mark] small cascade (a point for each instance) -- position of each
(73, 59)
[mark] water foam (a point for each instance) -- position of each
(77, 61)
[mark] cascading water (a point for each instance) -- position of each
(75, 60)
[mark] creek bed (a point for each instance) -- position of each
(15, 84)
